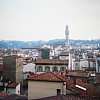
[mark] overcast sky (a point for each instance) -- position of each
(46, 19)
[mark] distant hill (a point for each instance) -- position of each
(23, 44)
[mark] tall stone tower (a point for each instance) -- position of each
(67, 37)
(67, 46)
(13, 68)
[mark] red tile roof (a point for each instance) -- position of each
(78, 74)
(56, 97)
(12, 85)
(64, 54)
(58, 77)
(14, 56)
(15, 97)
(49, 76)
(3, 94)
(92, 60)
(72, 87)
(70, 97)
(51, 61)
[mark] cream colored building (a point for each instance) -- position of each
(45, 85)
(45, 65)
(83, 64)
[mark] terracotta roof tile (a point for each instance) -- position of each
(78, 74)
(64, 54)
(3, 94)
(15, 97)
(14, 56)
(51, 61)
(92, 60)
(70, 97)
(57, 97)
(12, 85)
(49, 76)
(72, 87)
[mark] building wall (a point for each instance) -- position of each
(11, 90)
(40, 89)
(18, 89)
(51, 68)
(98, 64)
(19, 70)
(82, 65)
(76, 65)
(9, 68)
(44, 54)
(13, 69)
(14, 90)
(64, 57)
(30, 67)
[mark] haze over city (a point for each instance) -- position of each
(46, 19)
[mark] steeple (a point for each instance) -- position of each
(67, 36)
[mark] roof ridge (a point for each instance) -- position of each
(58, 76)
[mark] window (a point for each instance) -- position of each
(47, 68)
(58, 91)
(62, 69)
(39, 69)
(55, 68)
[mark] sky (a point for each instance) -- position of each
(28, 20)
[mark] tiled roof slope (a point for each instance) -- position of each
(70, 97)
(14, 56)
(58, 77)
(51, 61)
(57, 97)
(12, 85)
(78, 74)
(15, 97)
(3, 94)
(72, 87)
(64, 54)
(49, 76)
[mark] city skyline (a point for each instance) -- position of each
(28, 20)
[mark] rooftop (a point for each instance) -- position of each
(51, 61)
(72, 87)
(64, 54)
(70, 97)
(3, 94)
(12, 85)
(78, 74)
(14, 56)
(49, 76)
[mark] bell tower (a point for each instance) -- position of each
(67, 37)
(67, 46)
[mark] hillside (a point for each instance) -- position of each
(22, 44)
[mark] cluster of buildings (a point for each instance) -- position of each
(58, 72)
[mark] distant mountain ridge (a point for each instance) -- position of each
(23, 44)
